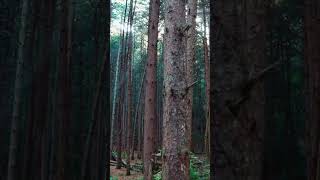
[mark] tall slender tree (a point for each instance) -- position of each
(191, 55)
(129, 82)
(207, 77)
(137, 111)
(116, 86)
(151, 91)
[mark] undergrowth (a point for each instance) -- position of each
(199, 170)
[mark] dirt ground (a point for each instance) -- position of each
(120, 174)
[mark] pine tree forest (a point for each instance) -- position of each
(160, 90)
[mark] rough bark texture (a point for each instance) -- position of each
(12, 161)
(176, 141)
(151, 91)
(191, 56)
(237, 121)
(312, 64)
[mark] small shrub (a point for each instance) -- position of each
(113, 178)
(157, 176)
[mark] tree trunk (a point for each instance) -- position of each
(238, 39)
(129, 108)
(150, 92)
(121, 109)
(129, 85)
(191, 57)
(64, 91)
(12, 160)
(136, 117)
(141, 109)
(41, 92)
(207, 80)
(176, 140)
(312, 67)
(116, 87)
(119, 129)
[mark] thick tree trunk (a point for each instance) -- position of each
(237, 38)
(312, 69)
(12, 160)
(150, 92)
(176, 140)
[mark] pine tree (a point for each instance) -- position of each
(176, 141)
(150, 90)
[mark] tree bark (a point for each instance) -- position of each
(150, 91)
(63, 91)
(176, 140)
(207, 80)
(238, 54)
(312, 70)
(191, 57)
(12, 160)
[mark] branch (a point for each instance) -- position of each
(188, 87)
(249, 85)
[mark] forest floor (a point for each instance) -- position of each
(200, 169)
(120, 174)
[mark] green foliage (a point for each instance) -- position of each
(199, 169)
(114, 153)
(194, 174)
(113, 178)
(157, 176)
